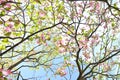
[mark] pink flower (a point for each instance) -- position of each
(67, 62)
(61, 71)
(80, 11)
(59, 17)
(10, 25)
(1, 69)
(63, 42)
(1, 1)
(83, 43)
(7, 6)
(61, 50)
(94, 39)
(6, 72)
(38, 41)
(106, 67)
(42, 14)
(105, 26)
(1, 78)
(46, 44)
(86, 55)
(97, 6)
(42, 37)
(8, 29)
(91, 4)
(58, 43)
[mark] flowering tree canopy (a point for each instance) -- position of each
(68, 39)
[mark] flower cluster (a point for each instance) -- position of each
(9, 28)
(4, 73)
(83, 43)
(61, 71)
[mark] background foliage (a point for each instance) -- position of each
(65, 38)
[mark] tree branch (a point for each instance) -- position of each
(29, 37)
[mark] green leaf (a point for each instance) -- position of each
(17, 33)
(48, 8)
(2, 47)
(2, 13)
(5, 40)
(31, 38)
(118, 76)
(32, 6)
(7, 34)
(60, 7)
(1, 22)
(5, 79)
(1, 74)
(113, 24)
(115, 5)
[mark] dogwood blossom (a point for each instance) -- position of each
(1, 1)
(5, 72)
(61, 72)
(9, 27)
